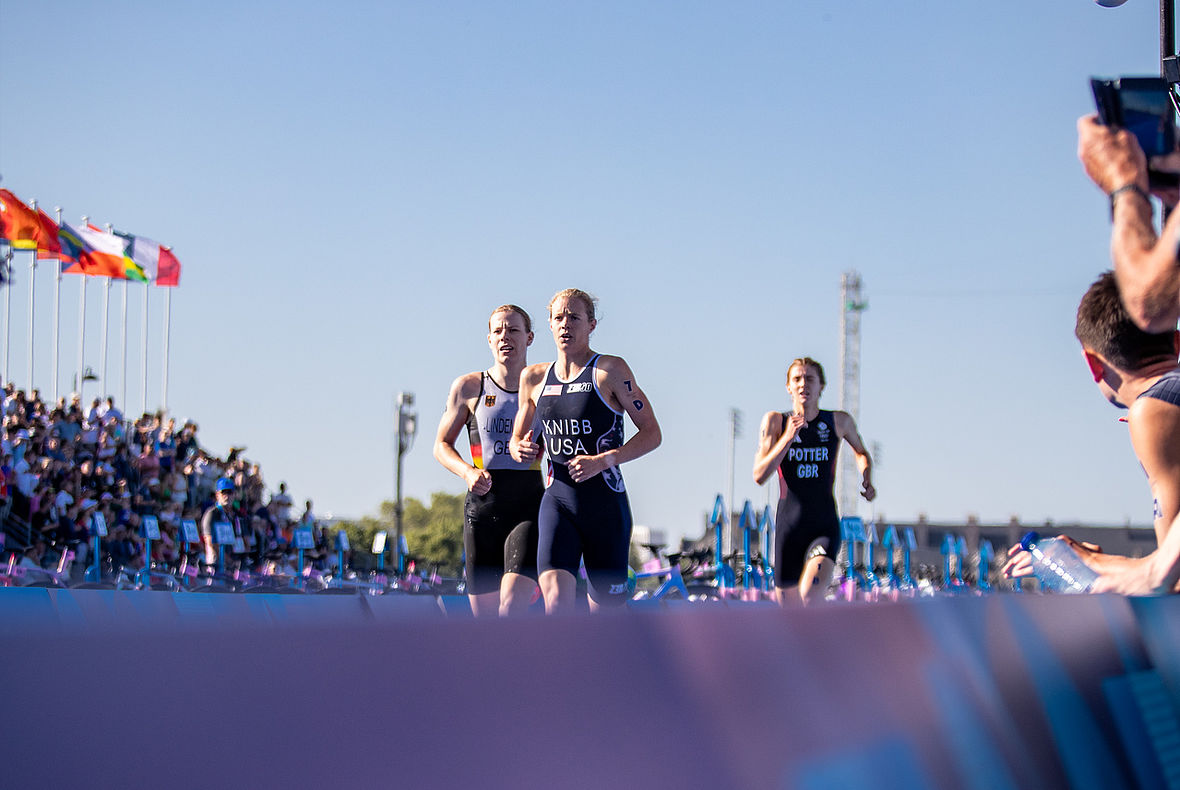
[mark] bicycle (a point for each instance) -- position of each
(16, 575)
(672, 586)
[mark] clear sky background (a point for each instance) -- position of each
(352, 187)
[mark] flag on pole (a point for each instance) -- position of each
(24, 228)
(88, 250)
(168, 270)
(52, 250)
(157, 261)
(131, 269)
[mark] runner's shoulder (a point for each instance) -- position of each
(612, 365)
(844, 422)
(467, 386)
(773, 420)
(533, 375)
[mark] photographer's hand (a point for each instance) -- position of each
(1112, 157)
(1144, 263)
(1169, 195)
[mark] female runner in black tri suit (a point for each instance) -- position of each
(803, 445)
(580, 400)
(503, 494)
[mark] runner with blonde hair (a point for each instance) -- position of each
(580, 400)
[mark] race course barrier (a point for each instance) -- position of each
(998, 691)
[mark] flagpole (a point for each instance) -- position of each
(32, 279)
(143, 390)
(82, 334)
(167, 343)
(57, 318)
(123, 392)
(32, 288)
(106, 306)
(7, 310)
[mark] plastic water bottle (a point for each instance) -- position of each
(1058, 566)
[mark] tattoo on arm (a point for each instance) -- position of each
(628, 385)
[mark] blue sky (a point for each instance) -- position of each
(352, 188)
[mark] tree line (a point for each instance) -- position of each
(433, 532)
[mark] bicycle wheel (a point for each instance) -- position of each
(703, 592)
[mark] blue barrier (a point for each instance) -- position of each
(954, 551)
(872, 583)
(766, 527)
(726, 578)
(751, 576)
(889, 542)
(852, 534)
(983, 567)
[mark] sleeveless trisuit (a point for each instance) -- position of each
(806, 506)
(499, 527)
(591, 520)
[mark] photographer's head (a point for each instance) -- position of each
(1114, 347)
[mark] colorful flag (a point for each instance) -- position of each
(156, 261)
(24, 228)
(51, 249)
(168, 271)
(94, 252)
(131, 269)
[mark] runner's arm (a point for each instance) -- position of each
(774, 437)
(524, 446)
(454, 418)
(846, 429)
(624, 390)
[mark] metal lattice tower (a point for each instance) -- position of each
(852, 305)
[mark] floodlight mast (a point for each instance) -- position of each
(852, 305)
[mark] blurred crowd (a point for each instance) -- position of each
(63, 463)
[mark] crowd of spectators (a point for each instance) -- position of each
(63, 463)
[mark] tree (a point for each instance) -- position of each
(434, 533)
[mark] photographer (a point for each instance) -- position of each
(1136, 371)
(1145, 264)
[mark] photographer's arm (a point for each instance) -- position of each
(1145, 265)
